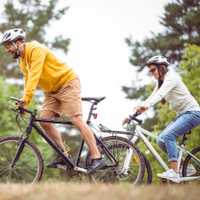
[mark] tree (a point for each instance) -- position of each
(34, 16)
(181, 21)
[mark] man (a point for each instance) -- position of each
(41, 68)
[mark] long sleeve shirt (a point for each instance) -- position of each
(41, 68)
(174, 91)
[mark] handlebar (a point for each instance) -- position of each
(134, 117)
(22, 109)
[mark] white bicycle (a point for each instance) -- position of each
(188, 161)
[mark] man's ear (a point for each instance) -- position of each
(19, 43)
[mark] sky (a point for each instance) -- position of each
(98, 52)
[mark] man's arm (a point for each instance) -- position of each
(34, 72)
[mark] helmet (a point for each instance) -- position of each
(12, 35)
(157, 60)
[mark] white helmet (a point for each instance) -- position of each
(157, 60)
(12, 35)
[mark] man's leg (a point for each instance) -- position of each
(52, 132)
(87, 135)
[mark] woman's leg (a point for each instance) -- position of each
(184, 123)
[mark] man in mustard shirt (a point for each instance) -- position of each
(61, 86)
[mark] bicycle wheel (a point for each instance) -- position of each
(119, 147)
(191, 165)
(148, 171)
(29, 166)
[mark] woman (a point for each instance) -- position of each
(170, 88)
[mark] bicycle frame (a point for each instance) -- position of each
(140, 132)
(33, 124)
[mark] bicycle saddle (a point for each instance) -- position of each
(93, 99)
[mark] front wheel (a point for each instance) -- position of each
(191, 164)
(28, 167)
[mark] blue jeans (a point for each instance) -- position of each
(182, 124)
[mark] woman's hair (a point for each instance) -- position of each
(162, 70)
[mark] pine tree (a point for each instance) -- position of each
(181, 21)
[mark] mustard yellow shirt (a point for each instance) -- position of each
(41, 68)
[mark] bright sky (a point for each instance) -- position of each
(98, 53)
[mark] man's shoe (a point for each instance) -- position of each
(96, 164)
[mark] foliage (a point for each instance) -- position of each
(7, 116)
(34, 16)
(180, 23)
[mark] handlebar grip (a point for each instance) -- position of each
(15, 99)
(133, 117)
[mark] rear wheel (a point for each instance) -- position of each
(29, 166)
(120, 147)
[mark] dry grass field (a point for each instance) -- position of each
(74, 191)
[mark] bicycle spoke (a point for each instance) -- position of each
(26, 167)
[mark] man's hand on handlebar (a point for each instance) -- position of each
(21, 104)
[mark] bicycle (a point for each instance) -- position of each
(17, 152)
(192, 158)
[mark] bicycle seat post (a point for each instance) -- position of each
(92, 108)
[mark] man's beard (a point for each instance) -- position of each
(16, 54)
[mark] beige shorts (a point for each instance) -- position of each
(65, 101)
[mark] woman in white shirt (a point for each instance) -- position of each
(170, 88)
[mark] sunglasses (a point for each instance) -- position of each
(152, 70)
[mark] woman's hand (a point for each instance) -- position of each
(140, 109)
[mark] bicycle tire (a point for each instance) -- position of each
(148, 170)
(190, 161)
(117, 143)
(24, 168)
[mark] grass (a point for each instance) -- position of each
(85, 191)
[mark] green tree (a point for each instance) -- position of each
(180, 21)
(7, 116)
(34, 16)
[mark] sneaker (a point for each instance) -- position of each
(96, 164)
(170, 175)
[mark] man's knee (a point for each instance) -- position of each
(77, 120)
(46, 115)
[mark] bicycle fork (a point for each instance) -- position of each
(18, 152)
(127, 161)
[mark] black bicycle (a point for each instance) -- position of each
(21, 161)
